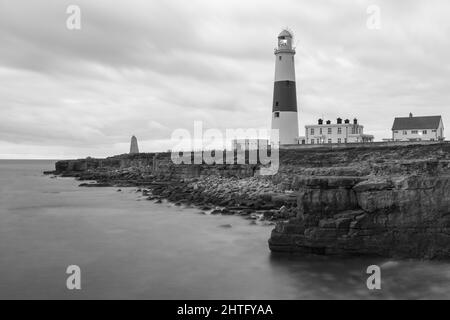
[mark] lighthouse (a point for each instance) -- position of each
(284, 109)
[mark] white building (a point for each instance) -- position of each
(418, 128)
(340, 132)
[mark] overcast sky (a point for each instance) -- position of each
(149, 67)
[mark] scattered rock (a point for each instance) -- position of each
(95, 185)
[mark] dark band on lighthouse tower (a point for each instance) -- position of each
(284, 110)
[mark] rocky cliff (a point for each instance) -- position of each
(392, 202)
(386, 201)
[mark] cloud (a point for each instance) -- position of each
(150, 67)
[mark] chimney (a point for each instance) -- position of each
(339, 121)
(355, 121)
(328, 122)
(320, 121)
(410, 115)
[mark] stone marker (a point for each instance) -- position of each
(134, 149)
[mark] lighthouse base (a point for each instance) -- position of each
(287, 125)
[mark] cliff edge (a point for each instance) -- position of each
(391, 202)
(377, 200)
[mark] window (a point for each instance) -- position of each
(312, 141)
(395, 131)
(405, 133)
(279, 58)
(339, 140)
(345, 140)
(276, 115)
(321, 131)
(330, 130)
(277, 104)
(312, 131)
(424, 132)
(434, 131)
(318, 141)
(415, 132)
(329, 140)
(339, 130)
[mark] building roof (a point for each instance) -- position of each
(285, 33)
(419, 123)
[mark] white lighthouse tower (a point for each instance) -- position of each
(284, 110)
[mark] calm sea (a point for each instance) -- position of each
(131, 248)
